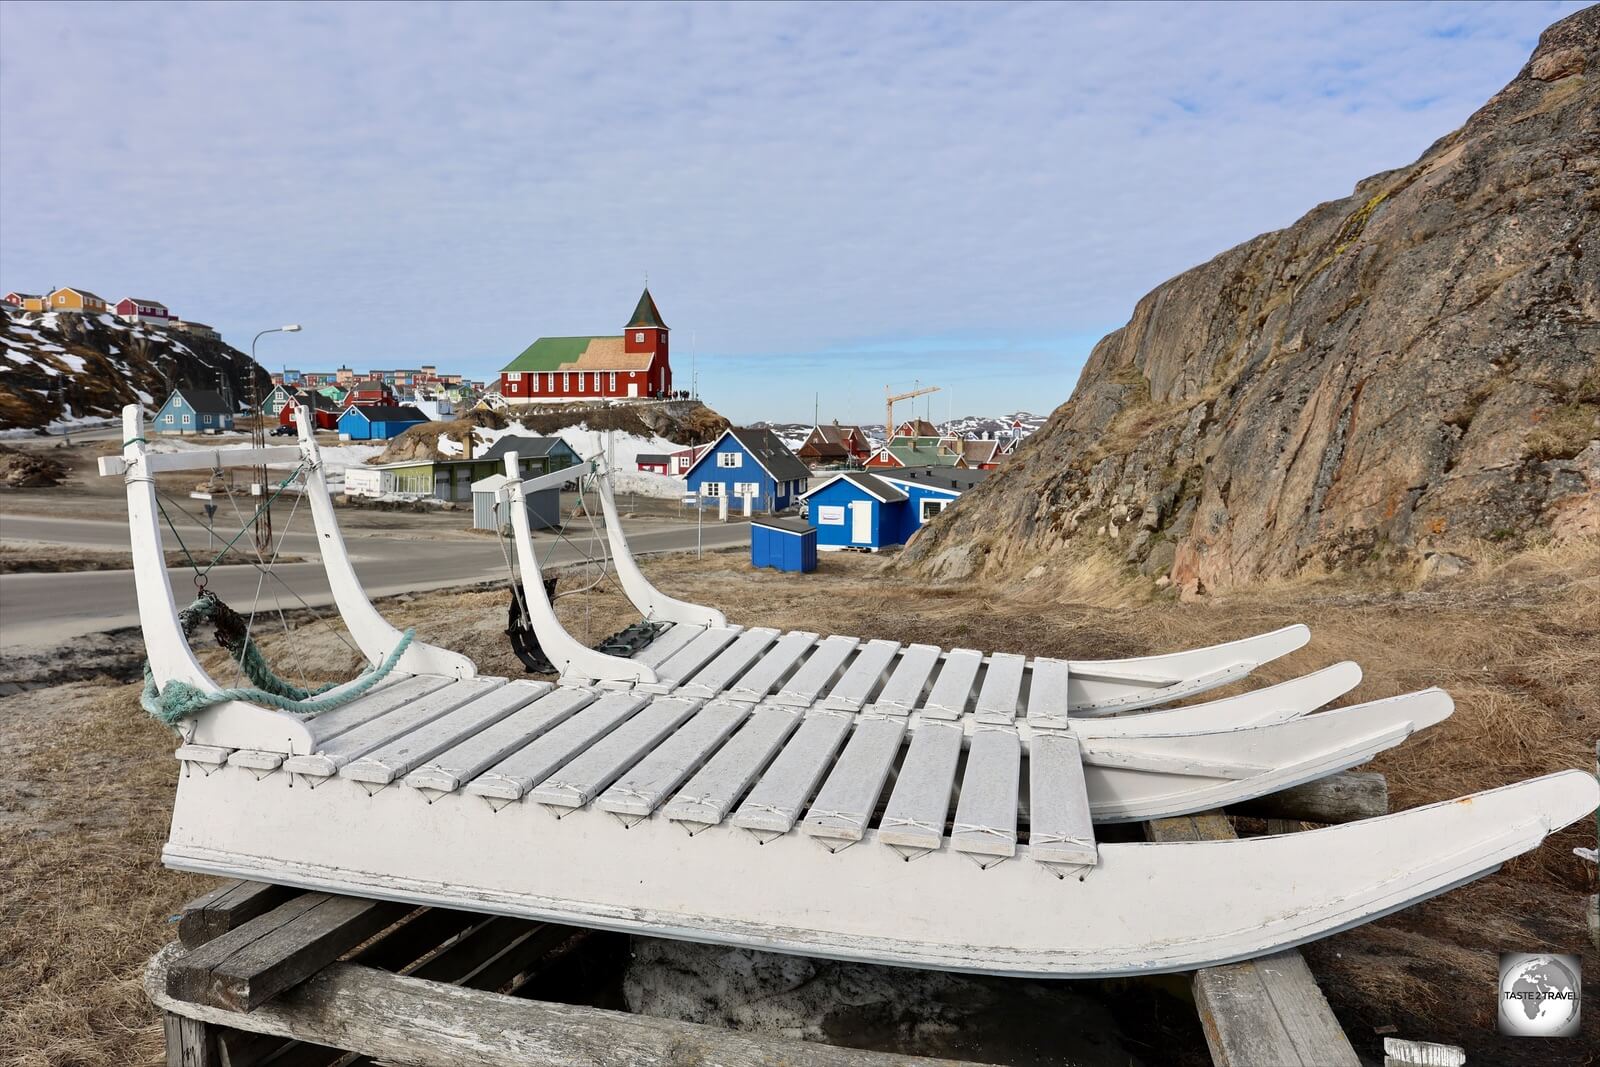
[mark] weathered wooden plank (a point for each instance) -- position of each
(690, 658)
(1265, 1010)
(1001, 691)
(920, 802)
(399, 756)
(189, 1042)
(818, 671)
(376, 702)
(241, 1048)
(588, 774)
(1060, 829)
(229, 905)
(1048, 700)
(717, 675)
(360, 740)
(849, 795)
(451, 769)
(773, 666)
(638, 793)
(249, 965)
(1346, 797)
(774, 804)
(865, 672)
(985, 823)
(952, 690)
(661, 649)
(716, 787)
(522, 770)
(411, 1021)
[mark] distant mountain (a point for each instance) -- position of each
(59, 368)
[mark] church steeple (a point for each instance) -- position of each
(646, 314)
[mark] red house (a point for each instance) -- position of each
(324, 412)
(653, 463)
(139, 309)
(632, 365)
(370, 394)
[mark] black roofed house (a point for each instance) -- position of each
(378, 422)
(194, 411)
(749, 465)
(653, 463)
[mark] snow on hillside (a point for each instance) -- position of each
(623, 450)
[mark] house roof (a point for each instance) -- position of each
(952, 478)
(525, 447)
(872, 485)
(208, 401)
(769, 450)
(315, 400)
(975, 452)
(578, 354)
(919, 428)
(651, 458)
(26, 296)
(646, 314)
(143, 302)
(794, 526)
(86, 294)
(922, 451)
(386, 413)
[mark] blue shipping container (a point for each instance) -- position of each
(783, 544)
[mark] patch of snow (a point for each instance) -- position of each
(624, 450)
(449, 447)
(74, 363)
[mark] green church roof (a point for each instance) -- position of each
(549, 353)
(646, 314)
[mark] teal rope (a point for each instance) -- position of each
(180, 700)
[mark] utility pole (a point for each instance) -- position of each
(258, 439)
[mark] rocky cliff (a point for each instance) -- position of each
(1411, 370)
(60, 367)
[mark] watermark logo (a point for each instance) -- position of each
(1539, 995)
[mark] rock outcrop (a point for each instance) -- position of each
(59, 367)
(1412, 368)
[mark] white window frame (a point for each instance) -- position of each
(638, 337)
(747, 489)
(730, 460)
(711, 489)
(613, 383)
(177, 401)
(188, 420)
(566, 380)
(923, 515)
(514, 376)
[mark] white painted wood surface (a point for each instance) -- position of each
(652, 779)
(712, 792)
(649, 601)
(468, 758)
(914, 821)
(849, 795)
(774, 804)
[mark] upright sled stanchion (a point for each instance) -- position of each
(569, 655)
(374, 634)
(649, 601)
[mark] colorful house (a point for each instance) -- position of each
(982, 454)
(80, 301)
(26, 301)
(679, 462)
(276, 401)
(370, 393)
(869, 511)
(633, 364)
(324, 410)
(455, 479)
(835, 445)
(652, 463)
(199, 329)
(140, 309)
(194, 411)
(748, 464)
(919, 452)
(377, 422)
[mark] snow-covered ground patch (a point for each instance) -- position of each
(448, 446)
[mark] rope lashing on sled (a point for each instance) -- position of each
(180, 700)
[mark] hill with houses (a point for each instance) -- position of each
(61, 368)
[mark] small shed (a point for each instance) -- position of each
(856, 510)
(544, 506)
(783, 544)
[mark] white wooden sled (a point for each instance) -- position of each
(627, 808)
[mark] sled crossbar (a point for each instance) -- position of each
(210, 459)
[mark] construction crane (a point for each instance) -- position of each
(888, 408)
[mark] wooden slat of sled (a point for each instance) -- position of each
(1001, 692)
(862, 678)
(596, 767)
(643, 788)
(1048, 700)
(691, 658)
(381, 701)
(774, 664)
(398, 757)
(734, 660)
(716, 787)
(229, 905)
(986, 815)
(920, 801)
(818, 672)
(658, 651)
(902, 693)
(351, 744)
(1060, 829)
(250, 964)
(1265, 1010)
(453, 768)
(522, 770)
(849, 795)
(774, 804)
(400, 1019)
(953, 688)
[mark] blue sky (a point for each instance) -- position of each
(826, 198)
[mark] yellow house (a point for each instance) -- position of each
(25, 301)
(80, 300)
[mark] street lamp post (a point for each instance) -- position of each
(258, 439)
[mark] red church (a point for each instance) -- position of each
(633, 364)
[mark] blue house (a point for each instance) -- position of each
(783, 544)
(864, 510)
(748, 463)
(377, 423)
(194, 411)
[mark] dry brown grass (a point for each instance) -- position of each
(87, 779)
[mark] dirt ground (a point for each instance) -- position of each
(86, 778)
